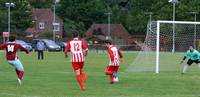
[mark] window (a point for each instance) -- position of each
(41, 25)
(56, 26)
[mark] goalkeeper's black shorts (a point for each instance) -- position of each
(189, 62)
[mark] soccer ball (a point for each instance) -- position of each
(116, 79)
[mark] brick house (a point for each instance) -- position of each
(43, 22)
(99, 32)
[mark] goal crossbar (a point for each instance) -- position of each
(177, 22)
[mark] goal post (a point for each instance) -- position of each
(157, 46)
(156, 50)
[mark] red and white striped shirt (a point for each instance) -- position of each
(77, 47)
(114, 54)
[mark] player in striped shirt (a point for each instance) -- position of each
(11, 49)
(78, 50)
(115, 58)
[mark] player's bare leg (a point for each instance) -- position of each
(78, 77)
(198, 65)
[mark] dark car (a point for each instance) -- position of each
(51, 45)
(24, 44)
(62, 45)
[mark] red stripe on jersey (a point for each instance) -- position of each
(81, 57)
(74, 58)
(77, 56)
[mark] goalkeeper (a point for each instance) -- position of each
(193, 57)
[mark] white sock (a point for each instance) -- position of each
(198, 65)
(185, 68)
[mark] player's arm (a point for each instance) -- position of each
(2, 46)
(67, 49)
(111, 55)
(23, 49)
(84, 46)
(120, 55)
(85, 52)
(185, 57)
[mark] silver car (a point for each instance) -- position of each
(51, 45)
(24, 44)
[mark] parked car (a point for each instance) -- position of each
(51, 45)
(62, 45)
(24, 44)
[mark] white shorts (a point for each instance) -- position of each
(17, 64)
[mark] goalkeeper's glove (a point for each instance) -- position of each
(181, 61)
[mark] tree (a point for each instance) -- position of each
(41, 3)
(80, 14)
(20, 16)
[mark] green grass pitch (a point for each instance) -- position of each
(54, 77)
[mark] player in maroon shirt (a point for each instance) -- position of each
(11, 49)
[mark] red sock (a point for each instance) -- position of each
(78, 77)
(111, 78)
(84, 77)
(17, 72)
(21, 74)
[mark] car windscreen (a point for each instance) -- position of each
(49, 42)
(21, 42)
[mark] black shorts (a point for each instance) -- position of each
(189, 62)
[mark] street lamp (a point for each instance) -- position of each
(150, 15)
(54, 18)
(9, 4)
(195, 26)
(34, 26)
(109, 34)
(174, 9)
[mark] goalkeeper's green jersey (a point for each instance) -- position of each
(193, 55)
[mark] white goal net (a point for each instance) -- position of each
(164, 46)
